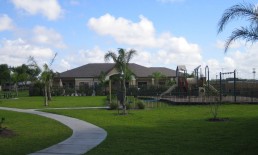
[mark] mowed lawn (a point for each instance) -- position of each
(26, 102)
(179, 130)
(32, 133)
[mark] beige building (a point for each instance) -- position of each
(89, 74)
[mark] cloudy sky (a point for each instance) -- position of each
(165, 33)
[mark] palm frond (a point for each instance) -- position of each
(130, 55)
(249, 34)
(53, 59)
(247, 10)
(32, 62)
(110, 55)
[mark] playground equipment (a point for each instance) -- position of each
(197, 85)
(169, 90)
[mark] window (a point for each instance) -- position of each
(81, 84)
(140, 84)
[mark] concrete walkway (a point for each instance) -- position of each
(85, 135)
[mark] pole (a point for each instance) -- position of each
(208, 72)
(235, 86)
(220, 95)
(110, 90)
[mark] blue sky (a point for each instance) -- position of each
(164, 32)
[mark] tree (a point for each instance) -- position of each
(246, 10)
(14, 77)
(121, 63)
(4, 74)
(23, 74)
(157, 76)
(47, 76)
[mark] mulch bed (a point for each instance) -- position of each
(6, 133)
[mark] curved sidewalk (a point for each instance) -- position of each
(85, 135)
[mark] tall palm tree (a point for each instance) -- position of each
(121, 63)
(245, 10)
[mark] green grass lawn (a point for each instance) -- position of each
(33, 133)
(57, 102)
(179, 130)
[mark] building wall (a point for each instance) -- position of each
(89, 81)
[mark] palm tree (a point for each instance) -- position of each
(246, 10)
(157, 76)
(121, 63)
(47, 76)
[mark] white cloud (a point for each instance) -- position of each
(166, 50)
(125, 31)
(17, 52)
(6, 22)
(82, 57)
(243, 60)
(48, 8)
(62, 65)
(144, 58)
(48, 36)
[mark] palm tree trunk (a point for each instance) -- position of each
(46, 96)
(124, 102)
(49, 97)
(16, 89)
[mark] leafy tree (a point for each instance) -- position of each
(4, 74)
(121, 63)
(21, 74)
(242, 11)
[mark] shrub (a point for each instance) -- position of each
(113, 105)
(140, 105)
(69, 91)
(57, 91)
(128, 106)
(36, 89)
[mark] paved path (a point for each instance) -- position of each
(85, 135)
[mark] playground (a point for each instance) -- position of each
(199, 89)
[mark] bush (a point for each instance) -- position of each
(113, 97)
(69, 91)
(36, 89)
(113, 105)
(57, 91)
(140, 105)
(128, 106)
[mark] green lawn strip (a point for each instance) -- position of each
(33, 133)
(57, 102)
(176, 130)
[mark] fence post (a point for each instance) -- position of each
(235, 86)
(220, 95)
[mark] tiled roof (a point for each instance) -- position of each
(94, 70)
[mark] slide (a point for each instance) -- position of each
(169, 90)
(212, 89)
